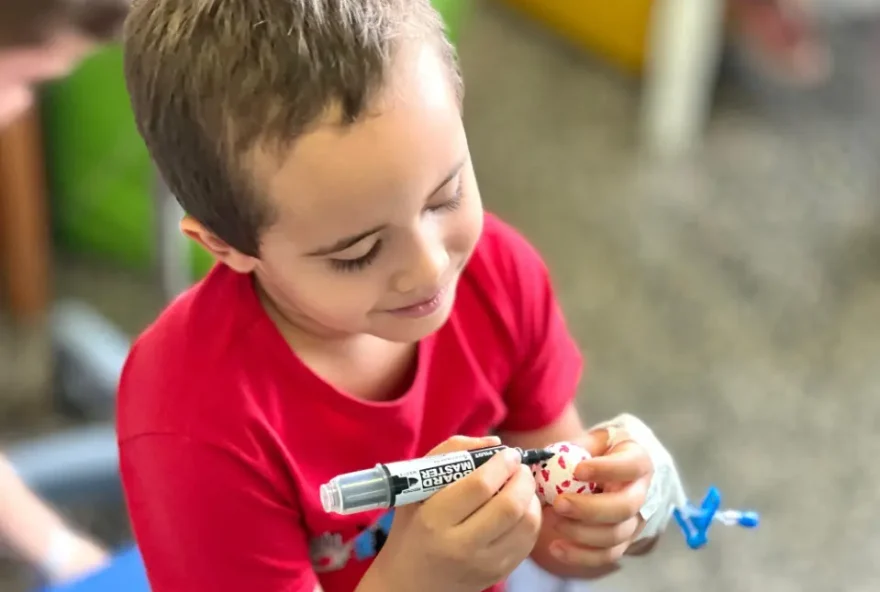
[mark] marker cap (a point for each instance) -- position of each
(331, 498)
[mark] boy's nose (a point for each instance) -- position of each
(429, 267)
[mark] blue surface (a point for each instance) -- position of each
(126, 572)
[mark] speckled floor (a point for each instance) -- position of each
(733, 301)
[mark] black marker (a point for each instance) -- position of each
(410, 481)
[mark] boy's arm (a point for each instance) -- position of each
(540, 394)
(39, 535)
(205, 519)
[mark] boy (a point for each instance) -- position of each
(364, 310)
(40, 40)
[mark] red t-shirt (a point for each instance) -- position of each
(225, 435)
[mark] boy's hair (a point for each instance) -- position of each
(29, 22)
(212, 81)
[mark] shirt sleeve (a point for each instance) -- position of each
(206, 520)
(549, 362)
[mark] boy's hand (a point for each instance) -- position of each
(599, 528)
(469, 536)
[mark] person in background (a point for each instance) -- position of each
(45, 39)
(41, 40)
(39, 535)
(784, 39)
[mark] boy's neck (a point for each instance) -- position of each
(298, 329)
(362, 366)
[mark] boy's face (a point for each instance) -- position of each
(21, 68)
(377, 219)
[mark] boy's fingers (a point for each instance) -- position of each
(598, 536)
(454, 444)
(604, 508)
(453, 504)
(573, 554)
(504, 511)
(458, 443)
(627, 462)
(595, 442)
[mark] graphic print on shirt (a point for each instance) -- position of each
(330, 552)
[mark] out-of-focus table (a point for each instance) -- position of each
(25, 243)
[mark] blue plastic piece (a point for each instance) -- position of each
(749, 520)
(693, 537)
(695, 522)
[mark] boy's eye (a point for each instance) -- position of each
(454, 202)
(360, 262)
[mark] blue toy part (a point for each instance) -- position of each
(749, 520)
(695, 521)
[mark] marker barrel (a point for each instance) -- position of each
(406, 482)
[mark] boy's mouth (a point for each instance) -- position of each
(424, 307)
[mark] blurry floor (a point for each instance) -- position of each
(733, 302)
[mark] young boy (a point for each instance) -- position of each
(365, 310)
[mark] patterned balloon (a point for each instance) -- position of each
(556, 476)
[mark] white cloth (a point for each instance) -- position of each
(528, 577)
(666, 491)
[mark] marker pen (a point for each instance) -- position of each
(409, 481)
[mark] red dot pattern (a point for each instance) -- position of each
(547, 475)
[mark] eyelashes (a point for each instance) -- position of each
(359, 263)
(364, 261)
(452, 204)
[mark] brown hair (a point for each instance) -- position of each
(212, 80)
(25, 22)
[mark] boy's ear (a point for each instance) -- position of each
(218, 248)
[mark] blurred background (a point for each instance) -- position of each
(713, 231)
